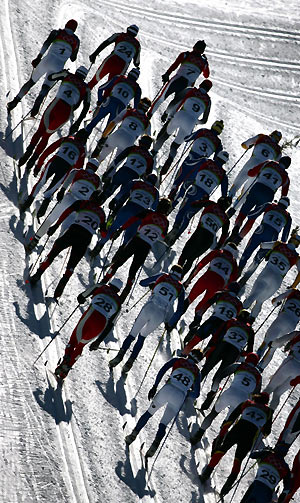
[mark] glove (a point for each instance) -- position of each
(92, 58)
(74, 128)
(51, 230)
(295, 381)
(60, 195)
(165, 78)
(81, 299)
(152, 393)
(244, 146)
(94, 346)
(36, 61)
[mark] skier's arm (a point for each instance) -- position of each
(251, 141)
(85, 108)
(151, 280)
(113, 123)
(137, 96)
(74, 54)
(277, 300)
(134, 219)
(205, 115)
(51, 37)
(179, 311)
(123, 155)
(297, 279)
(102, 46)
(255, 171)
(258, 211)
(286, 230)
(58, 75)
(195, 391)
(224, 186)
(137, 58)
(74, 207)
(180, 58)
(163, 370)
(105, 87)
(250, 341)
(225, 229)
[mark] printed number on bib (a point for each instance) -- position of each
(268, 476)
(210, 222)
(278, 261)
(184, 379)
(293, 307)
(104, 305)
(124, 49)
(166, 292)
(225, 312)
(142, 198)
(69, 153)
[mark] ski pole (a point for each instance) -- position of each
(231, 210)
(221, 500)
(239, 159)
(134, 285)
(285, 401)
(55, 334)
(104, 263)
(153, 356)
(175, 165)
(39, 256)
(266, 318)
(144, 295)
(61, 269)
(13, 129)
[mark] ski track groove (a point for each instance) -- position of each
(74, 475)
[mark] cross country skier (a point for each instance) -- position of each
(191, 65)
(89, 217)
(272, 468)
(222, 271)
(183, 383)
(166, 289)
(265, 148)
(133, 123)
(72, 92)
(126, 49)
(270, 176)
(95, 323)
(226, 304)
(280, 259)
(60, 45)
(275, 219)
(82, 182)
(207, 175)
(138, 163)
(288, 374)
(139, 195)
(116, 95)
(153, 227)
(228, 343)
(213, 218)
(246, 381)
(287, 436)
(286, 321)
(254, 418)
(187, 108)
(206, 142)
(70, 153)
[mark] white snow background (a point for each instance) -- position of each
(69, 446)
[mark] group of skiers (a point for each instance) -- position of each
(132, 183)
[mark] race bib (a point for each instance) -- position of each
(137, 163)
(275, 220)
(68, 93)
(69, 153)
(61, 50)
(279, 262)
(221, 267)
(189, 71)
(255, 416)
(225, 311)
(89, 220)
(292, 308)
(211, 222)
(133, 126)
(206, 180)
(264, 152)
(164, 293)
(125, 51)
(150, 233)
(203, 147)
(105, 305)
(237, 337)
(268, 475)
(270, 178)
(245, 380)
(123, 92)
(182, 378)
(82, 189)
(194, 106)
(142, 197)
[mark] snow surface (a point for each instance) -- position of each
(69, 446)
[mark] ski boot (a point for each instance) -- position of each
(26, 203)
(26, 155)
(197, 437)
(117, 359)
(152, 449)
(43, 208)
(228, 484)
(131, 437)
(205, 474)
(99, 147)
(208, 401)
(12, 104)
(31, 245)
(61, 286)
(31, 162)
(35, 277)
(62, 369)
(127, 366)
